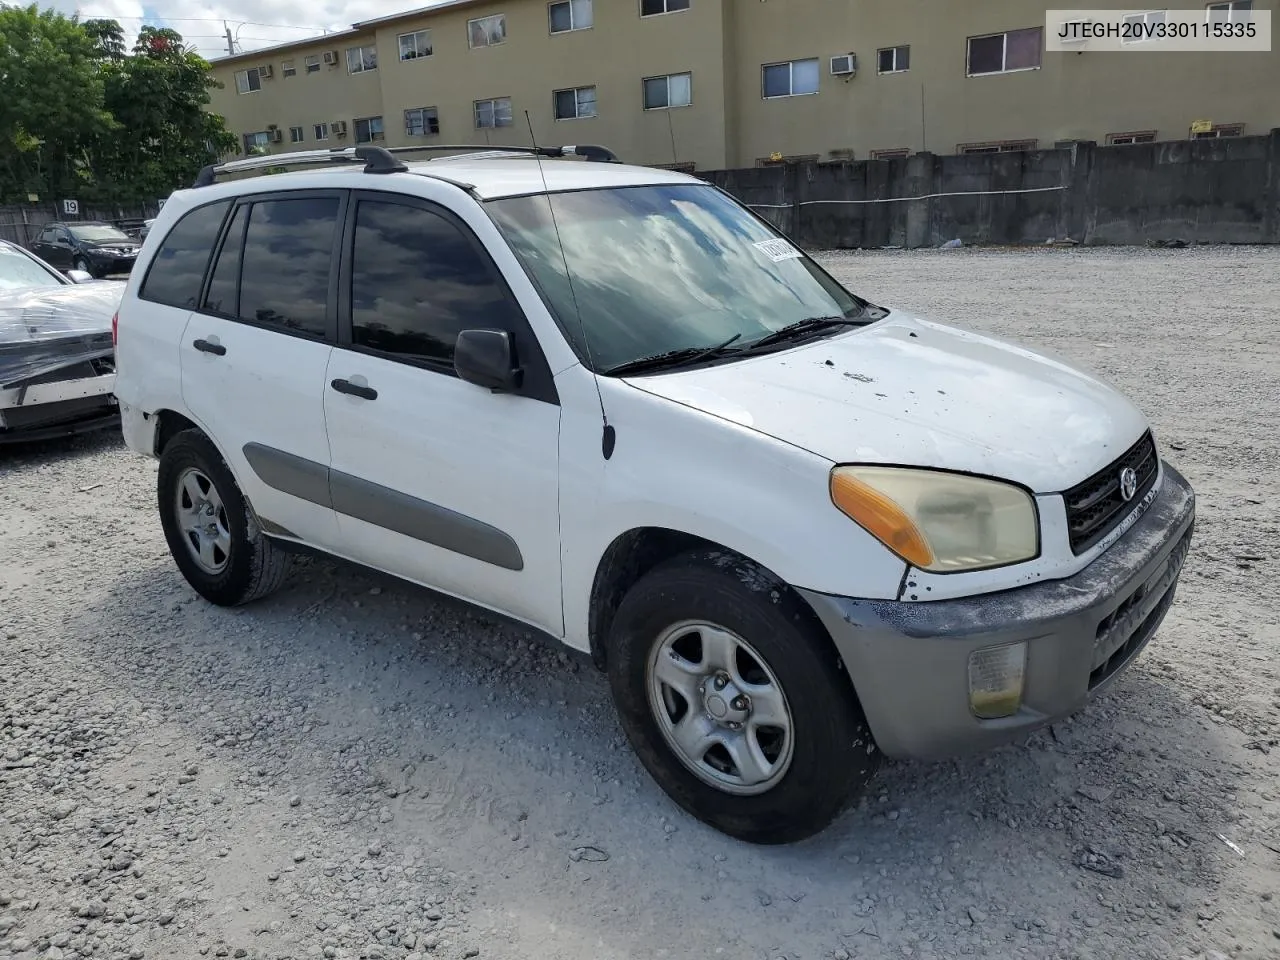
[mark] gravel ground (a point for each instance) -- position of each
(355, 768)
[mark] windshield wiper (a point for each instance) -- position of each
(808, 325)
(672, 358)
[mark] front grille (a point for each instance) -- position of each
(1095, 506)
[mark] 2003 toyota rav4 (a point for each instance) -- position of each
(798, 531)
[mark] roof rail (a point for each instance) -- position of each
(383, 160)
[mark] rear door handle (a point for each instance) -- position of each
(204, 346)
(354, 389)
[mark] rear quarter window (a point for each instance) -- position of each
(177, 271)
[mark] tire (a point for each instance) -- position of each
(82, 264)
(679, 615)
(229, 561)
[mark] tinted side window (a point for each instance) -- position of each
(177, 271)
(416, 281)
(287, 252)
(223, 284)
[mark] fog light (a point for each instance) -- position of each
(995, 680)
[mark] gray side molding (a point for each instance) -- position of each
(296, 476)
(384, 507)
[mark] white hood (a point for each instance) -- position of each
(910, 392)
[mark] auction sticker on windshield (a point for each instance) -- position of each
(777, 250)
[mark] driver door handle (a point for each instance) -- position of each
(354, 389)
(204, 346)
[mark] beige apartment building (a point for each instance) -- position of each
(732, 83)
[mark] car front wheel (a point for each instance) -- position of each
(735, 701)
(82, 264)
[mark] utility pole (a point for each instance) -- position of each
(231, 44)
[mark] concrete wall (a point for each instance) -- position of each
(1222, 191)
(1207, 191)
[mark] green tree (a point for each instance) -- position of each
(83, 116)
(158, 95)
(108, 38)
(51, 108)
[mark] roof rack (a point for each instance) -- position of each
(383, 160)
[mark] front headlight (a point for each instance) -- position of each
(940, 522)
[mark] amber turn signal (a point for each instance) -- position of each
(880, 517)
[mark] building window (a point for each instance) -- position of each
(416, 45)
(892, 153)
(288, 69)
(312, 63)
(368, 129)
(997, 146)
(362, 59)
(421, 122)
(257, 141)
(248, 81)
(569, 15)
(493, 113)
(575, 104)
(673, 90)
(1232, 12)
(295, 135)
(653, 8)
(487, 31)
(1136, 136)
(792, 79)
(1142, 25)
(320, 131)
(1220, 130)
(1005, 52)
(893, 60)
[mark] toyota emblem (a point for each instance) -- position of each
(1128, 483)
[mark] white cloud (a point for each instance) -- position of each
(253, 23)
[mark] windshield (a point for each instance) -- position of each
(98, 233)
(663, 268)
(18, 271)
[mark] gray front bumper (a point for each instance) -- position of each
(909, 661)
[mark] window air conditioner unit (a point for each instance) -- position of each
(1073, 38)
(265, 72)
(331, 57)
(338, 128)
(277, 136)
(845, 65)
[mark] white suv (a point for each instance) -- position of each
(798, 530)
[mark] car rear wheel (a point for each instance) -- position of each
(735, 701)
(212, 533)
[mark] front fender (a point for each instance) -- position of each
(681, 469)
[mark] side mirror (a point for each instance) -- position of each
(79, 276)
(487, 358)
